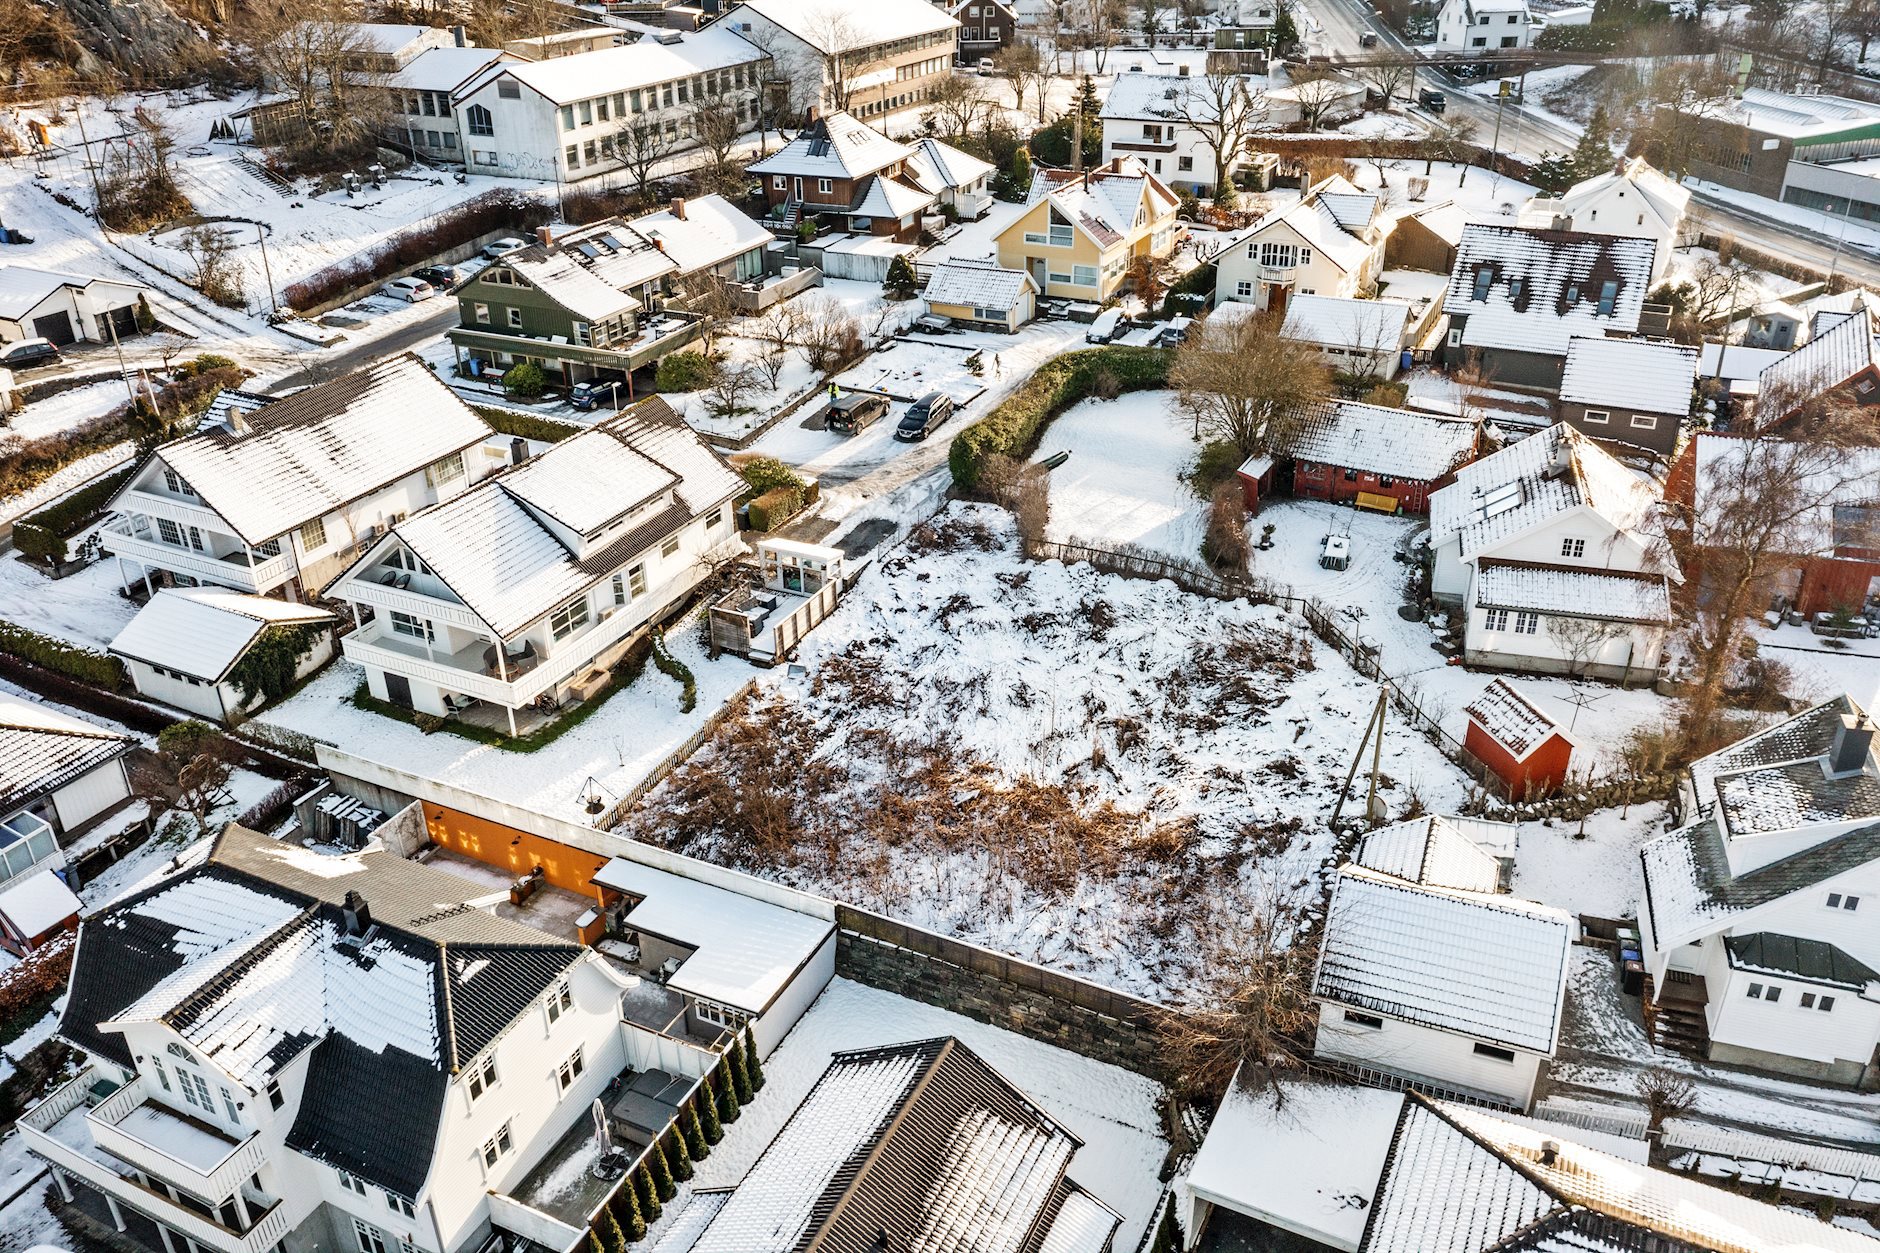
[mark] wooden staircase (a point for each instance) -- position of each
(1676, 1024)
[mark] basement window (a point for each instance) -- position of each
(1490, 1051)
(1371, 1021)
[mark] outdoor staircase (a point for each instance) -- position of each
(785, 223)
(272, 181)
(1676, 1026)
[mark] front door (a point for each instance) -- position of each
(398, 690)
(796, 191)
(1276, 295)
(1038, 271)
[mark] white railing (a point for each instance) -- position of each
(216, 1184)
(175, 510)
(418, 605)
(450, 678)
(266, 574)
(62, 1100)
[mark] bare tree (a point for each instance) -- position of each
(1370, 345)
(1225, 111)
(1022, 65)
(1317, 91)
(843, 48)
(1106, 19)
(1582, 639)
(730, 388)
(1388, 76)
(212, 249)
(316, 53)
(1667, 1094)
(1684, 98)
(641, 144)
(957, 105)
(1240, 381)
(830, 337)
(715, 125)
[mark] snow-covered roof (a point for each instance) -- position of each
(1305, 1155)
(444, 69)
(1539, 478)
(1438, 851)
(37, 902)
(745, 950)
(1824, 362)
(1492, 968)
(712, 232)
(1598, 595)
(837, 146)
(910, 1146)
(1351, 207)
(1314, 222)
(203, 632)
(1445, 1193)
(1416, 446)
(858, 24)
(1083, 1223)
(1546, 286)
(22, 287)
(586, 75)
(1801, 118)
(1165, 98)
(1650, 375)
(1808, 734)
(492, 547)
(1726, 466)
(389, 37)
(310, 453)
(936, 166)
(1661, 198)
(1511, 719)
(41, 750)
(1339, 322)
(1735, 361)
(560, 276)
(1103, 203)
(978, 284)
(886, 197)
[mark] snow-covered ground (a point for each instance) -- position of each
(1821, 672)
(616, 746)
(84, 608)
(1122, 484)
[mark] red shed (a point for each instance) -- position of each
(1377, 457)
(1256, 480)
(1524, 747)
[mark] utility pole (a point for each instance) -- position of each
(123, 370)
(97, 197)
(261, 237)
(1494, 147)
(1375, 724)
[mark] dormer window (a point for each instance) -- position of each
(1515, 287)
(1573, 293)
(177, 483)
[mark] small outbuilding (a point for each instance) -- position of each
(982, 295)
(1520, 744)
(1375, 457)
(35, 908)
(186, 647)
(65, 308)
(58, 775)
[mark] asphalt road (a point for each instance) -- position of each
(1527, 133)
(323, 365)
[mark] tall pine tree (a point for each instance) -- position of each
(727, 1099)
(626, 1201)
(696, 1145)
(661, 1171)
(679, 1153)
(650, 1208)
(734, 1062)
(707, 1111)
(1592, 156)
(753, 1065)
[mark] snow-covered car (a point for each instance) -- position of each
(1335, 552)
(409, 288)
(509, 243)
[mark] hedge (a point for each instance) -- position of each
(1015, 427)
(526, 425)
(775, 507)
(98, 669)
(673, 668)
(482, 215)
(45, 533)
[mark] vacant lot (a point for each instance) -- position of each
(1100, 774)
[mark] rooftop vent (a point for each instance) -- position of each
(1550, 1152)
(358, 915)
(1853, 740)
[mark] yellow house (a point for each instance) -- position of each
(1081, 231)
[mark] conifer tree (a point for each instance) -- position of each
(696, 1145)
(734, 1062)
(727, 1100)
(650, 1207)
(707, 1112)
(679, 1153)
(594, 1241)
(753, 1066)
(661, 1170)
(635, 1226)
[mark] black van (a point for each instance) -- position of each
(1434, 101)
(855, 413)
(924, 415)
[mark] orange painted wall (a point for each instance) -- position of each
(1540, 775)
(518, 852)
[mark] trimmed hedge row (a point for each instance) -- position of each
(526, 425)
(775, 507)
(45, 533)
(481, 215)
(1015, 427)
(98, 669)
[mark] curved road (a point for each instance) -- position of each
(1527, 133)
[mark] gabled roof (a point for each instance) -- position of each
(1492, 968)
(838, 145)
(885, 197)
(586, 75)
(1313, 221)
(42, 750)
(1432, 850)
(307, 454)
(1661, 198)
(1825, 362)
(712, 232)
(1561, 591)
(1341, 322)
(1103, 203)
(203, 632)
(915, 1146)
(1539, 478)
(1690, 891)
(22, 287)
(558, 275)
(444, 69)
(863, 25)
(36, 902)
(247, 957)
(1545, 286)
(1443, 1192)
(936, 166)
(1650, 375)
(979, 284)
(1807, 734)
(1405, 445)
(1163, 97)
(1795, 957)
(1511, 719)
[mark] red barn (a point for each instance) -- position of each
(1524, 747)
(1376, 457)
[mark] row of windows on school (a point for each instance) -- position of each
(681, 91)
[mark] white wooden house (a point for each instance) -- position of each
(525, 589)
(1429, 977)
(65, 308)
(278, 498)
(1465, 25)
(1556, 555)
(57, 773)
(183, 647)
(1329, 244)
(1632, 198)
(1758, 940)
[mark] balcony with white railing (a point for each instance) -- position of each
(67, 1130)
(200, 1159)
(237, 570)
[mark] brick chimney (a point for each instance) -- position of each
(678, 207)
(1116, 165)
(545, 235)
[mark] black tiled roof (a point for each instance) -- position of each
(491, 997)
(1816, 961)
(35, 761)
(373, 1114)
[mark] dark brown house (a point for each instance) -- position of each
(986, 26)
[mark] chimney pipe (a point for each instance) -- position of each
(1077, 144)
(1853, 741)
(461, 35)
(678, 207)
(1550, 1152)
(357, 914)
(1116, 165)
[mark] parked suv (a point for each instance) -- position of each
(605, 388)
(28, 353)
(442, 277)
(854, 413)
(1434, 101)
(924, 415)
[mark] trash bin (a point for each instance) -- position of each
(1632, 978)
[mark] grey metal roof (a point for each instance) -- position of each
(1814, 960)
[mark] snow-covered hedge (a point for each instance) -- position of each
(1016, 425)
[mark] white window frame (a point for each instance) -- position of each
(349, 1182)
(1572, 546)
(669, 547)
(1497, 620)
(1596, 417)
(371, 1239)
(1527, 622)
(566, 619)
(482, 1079)
(570, 1070)
(444, 470)
(497, 1147)
(560, 1000)
(1644, 421)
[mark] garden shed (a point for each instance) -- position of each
(185, 648)
(1520, 743)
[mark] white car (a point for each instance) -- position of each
(986, 67)
(494, 251)
(408, 288)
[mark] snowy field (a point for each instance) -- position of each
(83, 608)
(1029, 756)
(908, 369)
(1122, 483)
(1112, 1110)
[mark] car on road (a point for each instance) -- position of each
(509, 243)
(410, 288)
(606, 388)
(28, 353)
(854, 413)
(1433, 101)
(923, 416)
(1368, 39)
(986, 67)
(442, 277)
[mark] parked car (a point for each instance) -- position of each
(854, 413)
(29, 353)
(933, 323)
(604, 389)
(1105, 327)
(411, 288)
(924, 415)
(509, 243)
(1368, 39)
(986, 67)
(1175, 333)
(441, 277)
(1335, 552)
(1434, 101)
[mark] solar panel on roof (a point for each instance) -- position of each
(613, 243)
